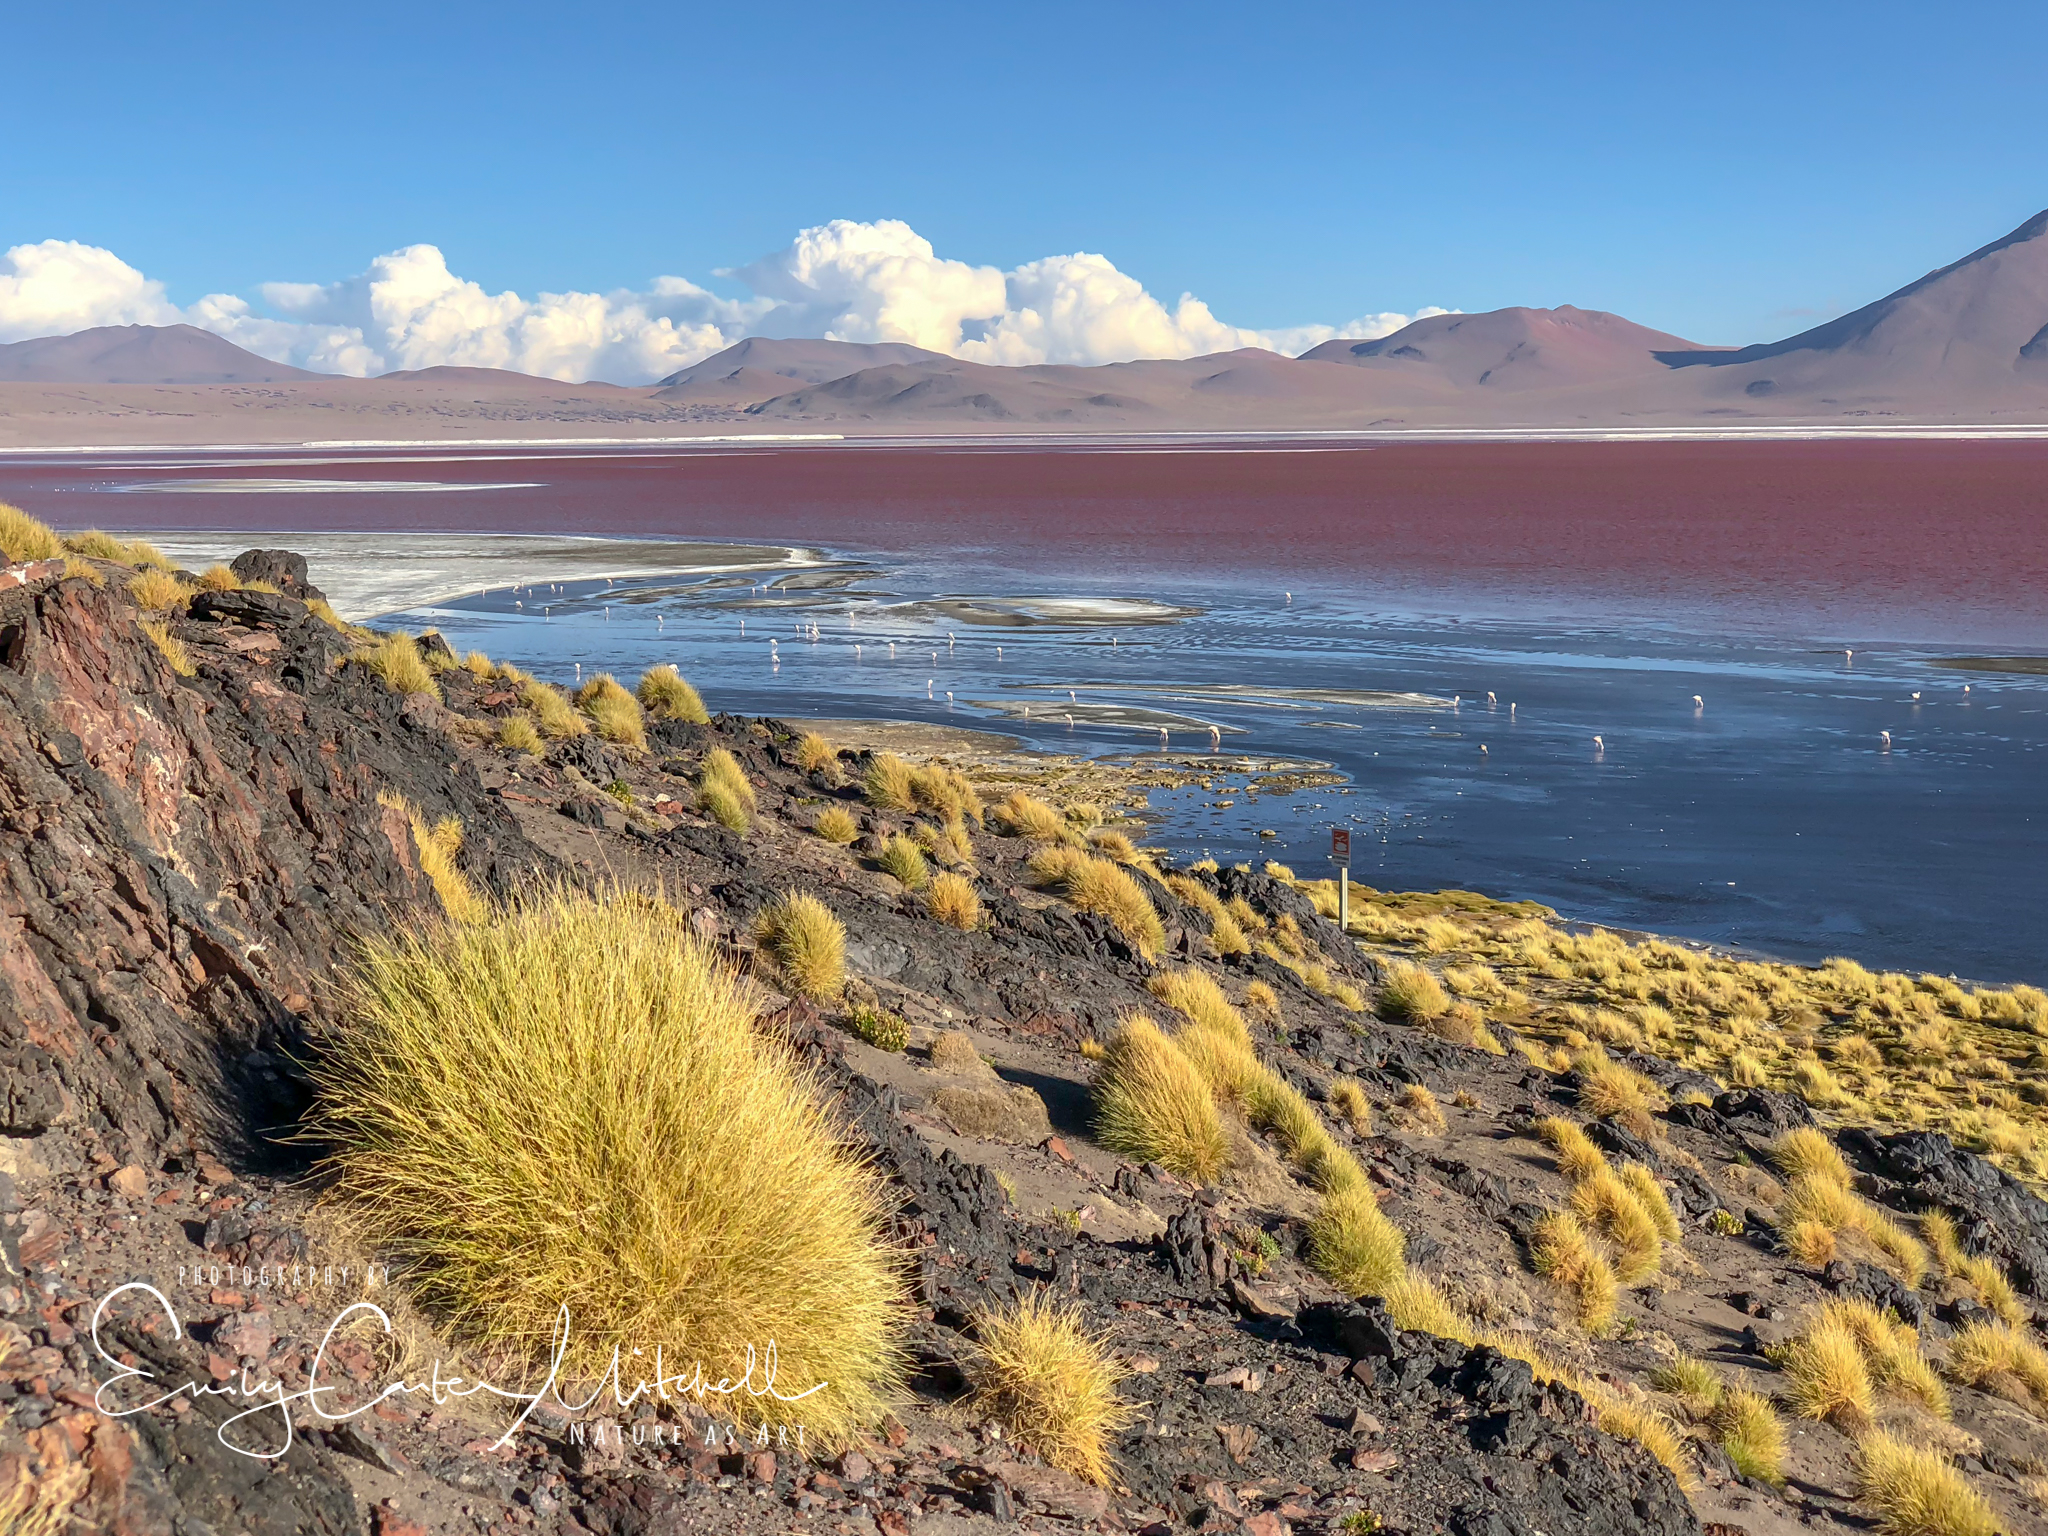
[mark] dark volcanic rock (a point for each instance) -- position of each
(1994, 1213)
(282, 568)
(251, 608)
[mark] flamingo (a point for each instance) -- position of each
(1482, 746)
(1215, 738)
(1698, 702)
(1599, 743)
(1490, 698)
(999, 653)
(1887, 735)
(1916, 695)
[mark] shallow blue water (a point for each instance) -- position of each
(1773, 815)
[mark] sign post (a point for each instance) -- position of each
(1340, 855)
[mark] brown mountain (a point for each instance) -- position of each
(761, 367)
(1513, 348)
(140, 354)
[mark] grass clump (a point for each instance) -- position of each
(1605, 1204)
(1577, 1157)
(1424, 1113)
(1260, 995)
(219, 578)
(171, 646)
(1649, 1194)
(835, 824)
(905, 860)
(1566, 1255)
(1355, 1246)
(1409, 991)
(158, 591)
(884, 1030)
(1097, 885)
(97, 545)
(1195, 996)
(1692, 1381)
(1607, 1088)
(1808, 1152)
(951, 899)
(814, 754)
(1997, 1357)
(1153, 1106)
(24, 538)
(479, 666)
(807, 941)
(1752, 1435)
(1347, 1098)
(1828, 1378)
(499, 1074)
(516, 733)
(1022, 815)
(1915, 1492)
(396, 659)
(552, 712)
(888, 785)
(664, 694)
(1978, 1271)
(615, 712)
(723, 792)
(1039, 1371)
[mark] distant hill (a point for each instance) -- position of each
(1513, 348)
(140, 354)
(761, 367)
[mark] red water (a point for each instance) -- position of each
(1939, 541)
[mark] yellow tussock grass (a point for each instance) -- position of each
(1354, 1246)
(24, 538)
(1424, 1113)
(1112, 845)
(220, 578)
(396, 659)
(171, 646)
(1153, 1106)
(1194, 995)
(517, 734)
(807, 942)
(1022, 815)
(1566, 1255)
(1752, 1435)
(1811, 1244)
(1577, 1157)
(1609, 1088)
(814, 754)
(157, 591)
(720, 766)
(1981, 1273)
(905, 860)
(1605, 1204)
(1260, 995)
(1891, 1350)
(1650, 1196)
(2000, 1358)
(1038, 1370)
(1096, 885)
(1227, 936)
(951, 899)
(666, 695)
(1827, 1377)
(1808, 1152)
(835, 824)
(888, 783)
(437, 845)
(84, 570)
(1279, 871)
(479, 666)
(1695, 1384)
(615, 712)
(1409, 991)
(1915, 1492)
(1347, 1098)
(551, 710)
(497, 1076)
(1417, 1306)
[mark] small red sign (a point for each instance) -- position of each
(1340, 845)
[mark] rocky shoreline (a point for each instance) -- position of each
(192, 856)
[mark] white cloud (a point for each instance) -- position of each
(845, 281)
(60, 286)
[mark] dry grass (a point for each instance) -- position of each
(494, 1080)
(664, 694)
(1997, 1357)
(1692, 1381)
(835, 824)
(158, 591)
(1193, 994)
(23, 538)
(1354, 1246)
(1566, 1255)
(1347, 1098)
(551, 710)
(1828, 1378)
(170, 645)
(46, 1505)
(1260, 995)
(1152, 1105)
(396, 659)
(951, 899)
(1606, 1205)
(1811, 1244)
(1425, 1115)
(479, 666)
(1037, 1370)
(1409, 991)
(888, 785)
(814, 754)
(905, 860)
(1752, 1434)
(1021, 815)
(1227, 936)
(1817, 1199)
(1608, 1088)
(807, 941)
(1577, 1157)
(1649, 1194)
(1915, 1492)
(1807, 1151)
(723, 792)
(1979, 1272)
(1112, 845)
(615, 712)
(1096, 885)
(219, 578)
(517, 734)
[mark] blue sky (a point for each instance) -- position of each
(1731, 172)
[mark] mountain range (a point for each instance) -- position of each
(1965, 344)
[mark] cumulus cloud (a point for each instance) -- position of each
(844, 281)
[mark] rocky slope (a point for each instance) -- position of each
(188, 859)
